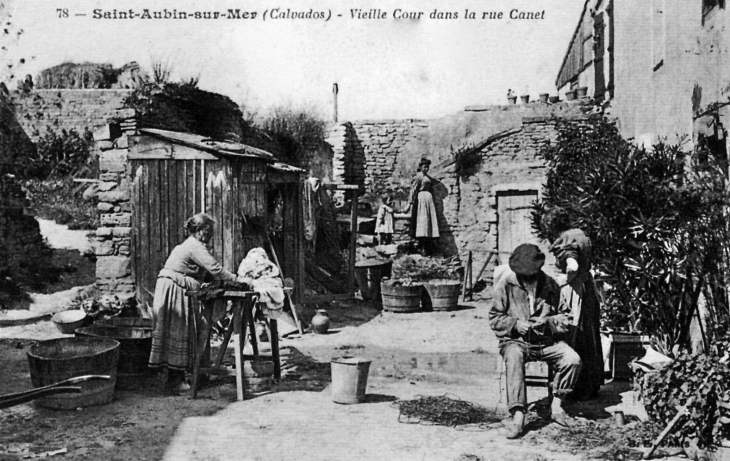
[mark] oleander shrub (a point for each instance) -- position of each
(655, 218)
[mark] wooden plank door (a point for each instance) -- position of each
(513, 215)
(514, 225)
(164, 195)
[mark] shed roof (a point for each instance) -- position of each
(230, 149)
(286, 168)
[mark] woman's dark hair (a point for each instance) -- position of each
(554, 222)
(196, 222)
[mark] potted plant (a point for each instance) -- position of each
(437, 279)
(544, 97)
(525, 98)
(554, 99)
(570, 95)
(582, 92)
(511, 97)
(401, 295)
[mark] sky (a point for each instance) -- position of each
(385, 68)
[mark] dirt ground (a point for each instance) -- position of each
(429, 354)
(420, 354)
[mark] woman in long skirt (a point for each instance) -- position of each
(573, 252)
(424, 222)
(174, 334)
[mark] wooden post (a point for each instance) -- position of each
(467, 276)
(237, 348)
(471, 278)
(224, 345)
(353, 243)
(484, 267)
(274, 341)
(200, 346)
(203, 185)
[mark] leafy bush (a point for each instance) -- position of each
(25, 258)
(181, 106)
(24, 268)
(293, 131)
(701, 383)
(412, 270)
(655, 218)
(62, 201)
(61, 154)
(467, 160)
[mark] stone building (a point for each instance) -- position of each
(488, 211)
(659, 65)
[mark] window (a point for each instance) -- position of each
(658, 33)
(587, 51)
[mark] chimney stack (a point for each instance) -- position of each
(335, 90)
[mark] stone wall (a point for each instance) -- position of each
(82, 110)
(112, 240)
(511, 163)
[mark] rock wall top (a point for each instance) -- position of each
(90, 75)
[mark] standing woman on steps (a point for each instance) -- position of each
(424, 222)
(174, 329)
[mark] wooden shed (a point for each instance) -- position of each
(252, 198)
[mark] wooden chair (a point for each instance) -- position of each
(540, 374)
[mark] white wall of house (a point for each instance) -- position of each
(655, 58)
(661, 50)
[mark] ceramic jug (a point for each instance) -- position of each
(320, 322)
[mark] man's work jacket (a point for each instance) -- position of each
(511, 304)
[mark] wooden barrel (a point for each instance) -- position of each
(125, 322)
(258, 374)
(399, 298)
(443, 295)
(134, 352)
(59, 359)
(369, 274)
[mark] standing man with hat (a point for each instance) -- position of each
(525, 318)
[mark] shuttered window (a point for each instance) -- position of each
(709, 5)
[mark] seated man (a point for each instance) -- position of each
(524, 317)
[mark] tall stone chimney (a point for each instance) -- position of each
(335, 90)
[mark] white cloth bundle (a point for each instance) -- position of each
(264, 278)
